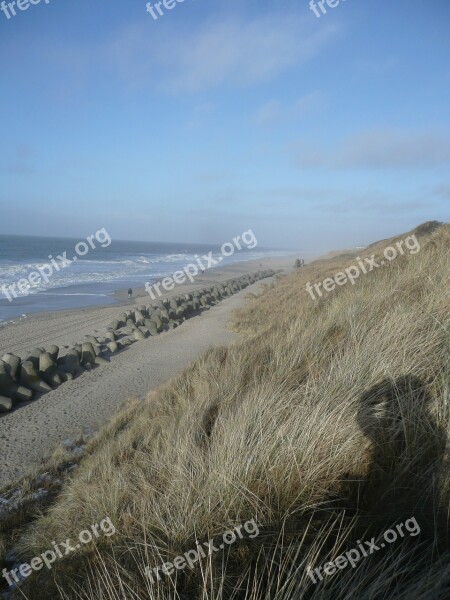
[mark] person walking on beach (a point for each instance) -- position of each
(130, 293)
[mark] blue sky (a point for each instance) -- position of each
(225, 115)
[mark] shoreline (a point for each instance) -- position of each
(32, 431)
(22, 334)
(119, 297)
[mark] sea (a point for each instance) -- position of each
(97, 273)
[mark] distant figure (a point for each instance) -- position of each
(130, 293)
(260, 264)
(299, 263)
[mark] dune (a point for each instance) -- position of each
(324, 423)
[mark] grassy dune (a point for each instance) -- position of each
(327, 423)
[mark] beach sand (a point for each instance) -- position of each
(33, 430)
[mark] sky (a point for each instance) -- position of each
(225, 115)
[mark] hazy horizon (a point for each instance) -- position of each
(207, 244)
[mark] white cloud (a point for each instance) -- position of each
(380, 149)
(378, 66)
(268, 113)
(274, 111)
(230, 51)
(19, 161)
(442, 191)
(242, 53)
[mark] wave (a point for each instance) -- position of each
(116, 272)
(74, 294)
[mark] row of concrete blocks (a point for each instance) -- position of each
(171, 312)
(45, 369)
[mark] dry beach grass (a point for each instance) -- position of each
(327, 422)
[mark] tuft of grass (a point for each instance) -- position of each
(327, 423)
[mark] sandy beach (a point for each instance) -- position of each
(33, 430)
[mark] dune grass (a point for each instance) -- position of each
(327, 423)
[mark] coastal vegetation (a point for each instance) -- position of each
(326, 422)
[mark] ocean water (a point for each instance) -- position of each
(96, 273)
